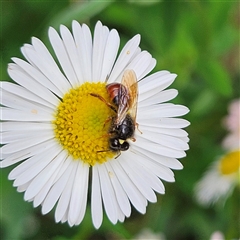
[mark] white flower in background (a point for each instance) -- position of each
(232, 124)
(148, 234)
(223, 175)
(219, 180)
(58, 133)
(217, 235)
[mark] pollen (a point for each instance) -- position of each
(82, 122)
(230, 163)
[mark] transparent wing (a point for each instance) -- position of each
(129, 80)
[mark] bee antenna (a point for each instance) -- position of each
(119, 153)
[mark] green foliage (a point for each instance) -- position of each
(198, 40)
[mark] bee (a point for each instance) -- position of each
(124, 97)
(121, 133)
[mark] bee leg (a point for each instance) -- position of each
(107, 77)
(107, 120)
(137, 125)
(133, 139)
(103, 151)
(105, 135)
(103, 100)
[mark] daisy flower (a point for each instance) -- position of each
(220, 179)
(58, 133)
(223, 175)
(217, 235)
(147, 233)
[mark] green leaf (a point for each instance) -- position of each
(14, 211)
(203, 103)
(144, 2)
(216, 76)
(80, 11)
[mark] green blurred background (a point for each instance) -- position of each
(197, 40)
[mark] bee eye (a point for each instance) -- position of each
(114, 141)
(114, 144)
(124, 146)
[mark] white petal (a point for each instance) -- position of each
(43, 176)
(83, 40)
(149, 68)
(71, 48)
(180, 133)
(164, 140)
(164, 123)
(96, 199)
(31, 115)
(23, 188)
(64, 200)
(99, 44)
(134, 195)
(160, 97)
(157, 148)
(110, 54)
(50, 69)
(141, 63)
(38, 81)
(155, 167)
(163, 110)
(20, 76)
(31, 167)
(141, 165)
(154, 84)
(62, 56)
(23, 50)
(55, 75)
(26, 94)
(121, 196)
(10, 137)
(39, 198)
(57, 188)
(26, 153)
(162, 160)
(108, 196)
(78, 201)
(65, 218)
(139, 182)
(25, 143)
(124, 58)
(23, 126)
(13, 101)
(185, 139)
(24, 166)
(84, 199)
(121, 216)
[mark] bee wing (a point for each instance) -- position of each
(129, 80)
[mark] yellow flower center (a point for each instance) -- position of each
(82, 121)
(230, 163)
